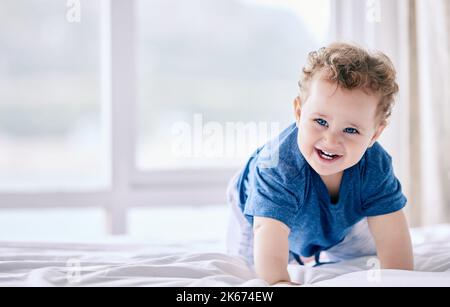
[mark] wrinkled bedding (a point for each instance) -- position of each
(69, 264)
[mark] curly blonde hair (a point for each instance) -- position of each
(352, 67)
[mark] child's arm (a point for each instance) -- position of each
(271, 249)
(391, 234)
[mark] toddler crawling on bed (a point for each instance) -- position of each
(325, 184)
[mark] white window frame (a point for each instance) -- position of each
(129, 186)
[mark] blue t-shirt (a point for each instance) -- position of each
(292, 192)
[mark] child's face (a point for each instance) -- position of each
(339, 121)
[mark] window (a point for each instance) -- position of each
(223, 62)
(51, 134)
(67, 101)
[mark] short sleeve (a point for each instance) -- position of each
(381, 190)
(270, 196)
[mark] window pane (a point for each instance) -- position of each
(202, 62)
(43, 225)
(50, 111)
(184, 225)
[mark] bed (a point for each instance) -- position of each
(200, 264)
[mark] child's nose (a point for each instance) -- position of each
(332, 139)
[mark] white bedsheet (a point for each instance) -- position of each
(57, 264)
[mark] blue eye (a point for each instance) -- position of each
(351, 130)
(321, 122)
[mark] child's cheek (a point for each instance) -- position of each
(312, 130)
(306, 138)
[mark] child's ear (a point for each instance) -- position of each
(297, 108)
(377, 134)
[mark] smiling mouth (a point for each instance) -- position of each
(326, 156)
